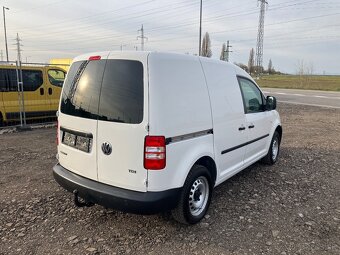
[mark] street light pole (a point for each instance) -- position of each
(199, 45)
(3, 11)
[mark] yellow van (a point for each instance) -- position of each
(63, 63)
(42, 87)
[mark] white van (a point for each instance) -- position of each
(146, 132)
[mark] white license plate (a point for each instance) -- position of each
(69, 139)
(77, 141)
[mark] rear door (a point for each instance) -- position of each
(122, 123)
(78, 116)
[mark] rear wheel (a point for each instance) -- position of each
(196, 196)
(273, 151)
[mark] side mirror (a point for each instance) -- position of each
(270, 103)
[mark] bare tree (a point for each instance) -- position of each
(224, 48)
(206, 46)
(300, 68)
(251, 61)
(305, 72)
(310, 69)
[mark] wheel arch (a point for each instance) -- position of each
(210, 164)
(279, 130)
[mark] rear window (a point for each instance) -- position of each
(109, 90)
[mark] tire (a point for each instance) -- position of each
(195, 197)
(274, 150)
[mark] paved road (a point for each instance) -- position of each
(306, 97)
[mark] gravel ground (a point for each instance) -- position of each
(292, 207)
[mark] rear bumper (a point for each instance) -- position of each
(116, 198)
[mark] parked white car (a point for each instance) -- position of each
(146, 132)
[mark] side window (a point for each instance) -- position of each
(11, 80)
(56, 77)
(32, 79)
(3, 83)
(252, 96)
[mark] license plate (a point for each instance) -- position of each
(77, 141)
(83, 143)
(69, 139)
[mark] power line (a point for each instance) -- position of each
(76, 38)
(193, 36)
(129, 17)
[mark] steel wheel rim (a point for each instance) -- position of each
(198, 196)
(275, 149)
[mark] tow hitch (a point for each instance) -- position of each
(80, 202)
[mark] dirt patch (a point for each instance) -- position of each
(292, 207)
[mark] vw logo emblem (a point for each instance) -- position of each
(106, 148)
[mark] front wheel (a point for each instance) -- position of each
(274, 149)
(196, 196)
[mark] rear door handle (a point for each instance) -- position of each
(241, 128)
(251, 126)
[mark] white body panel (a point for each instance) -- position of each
(228, 116)
(179, 101)
(179, 105)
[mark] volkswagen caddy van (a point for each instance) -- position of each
(146, 132)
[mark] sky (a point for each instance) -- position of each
(298, 31)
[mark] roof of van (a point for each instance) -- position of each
(139, 54)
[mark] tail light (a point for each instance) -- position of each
(95, 58)
(154, 152)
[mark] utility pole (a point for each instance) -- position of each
(20, 84)
(3, 12)
(18, 44)
(228, 51)
(260, 35)
(200, 31)
(142, 37)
